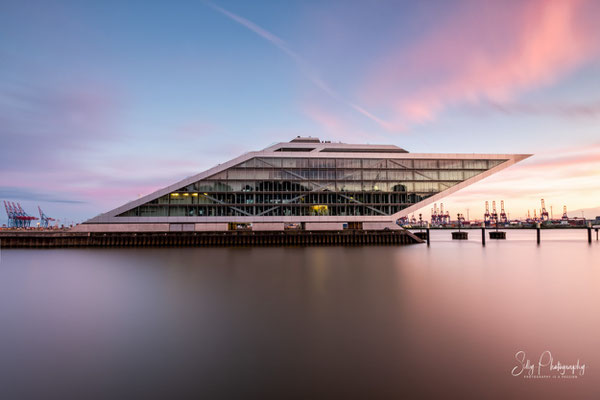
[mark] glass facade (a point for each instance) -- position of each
(272, 186)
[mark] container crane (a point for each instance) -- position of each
(17, 217)
(10, 215)
(26, 218)
(503, 217)
(434, 215)
(544, 216)
(44, 218)
(445, 218)
(494, 218)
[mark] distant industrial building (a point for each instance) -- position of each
(305, 184)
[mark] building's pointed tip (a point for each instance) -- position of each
(521, 157)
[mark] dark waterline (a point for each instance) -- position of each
(316, 322)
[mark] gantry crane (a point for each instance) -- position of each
(544, 216)
(17, 217)
(503, 216)
(44, 219)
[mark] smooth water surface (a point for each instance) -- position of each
(301, 322)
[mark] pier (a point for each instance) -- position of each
(37, 239)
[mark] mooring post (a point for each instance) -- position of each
(589, 229)
(483, 233)
(428, 226)
(538, 232)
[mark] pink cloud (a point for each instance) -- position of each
(328, 121)
(490, 51)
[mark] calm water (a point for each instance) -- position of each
(320, 322)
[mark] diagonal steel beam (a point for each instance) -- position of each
(285, 170)
(283, 202)
(361, 203)
(270, 209)
(226, 204)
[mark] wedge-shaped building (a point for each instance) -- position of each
(305, 184)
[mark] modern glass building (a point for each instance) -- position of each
(308, 184)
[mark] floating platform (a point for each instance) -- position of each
(460, 235)
(421, 235)
(497, 235)
(33, 239)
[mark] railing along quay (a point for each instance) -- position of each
(24, 239)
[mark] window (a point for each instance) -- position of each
(450, 164)
(475, 164)
(425, 164)
(268, 186)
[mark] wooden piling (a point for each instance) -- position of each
(483, 233)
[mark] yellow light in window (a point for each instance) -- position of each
(194, 194)
(185, 194)
(174, 194)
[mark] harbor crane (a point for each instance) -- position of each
(565, 217)
(44, 219)
(494, 218)
(17, 217)
(445, 218)
(503, 217)
(544, 216)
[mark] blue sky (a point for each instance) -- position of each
(101, 102)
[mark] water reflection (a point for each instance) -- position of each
(360, 322)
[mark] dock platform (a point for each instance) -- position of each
(44, 239)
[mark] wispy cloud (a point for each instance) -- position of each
(304, 66)
(19, 193)
(581, 110)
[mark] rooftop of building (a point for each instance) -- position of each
(313, 144)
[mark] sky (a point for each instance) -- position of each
(104, 101)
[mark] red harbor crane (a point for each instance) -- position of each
(17, 217)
